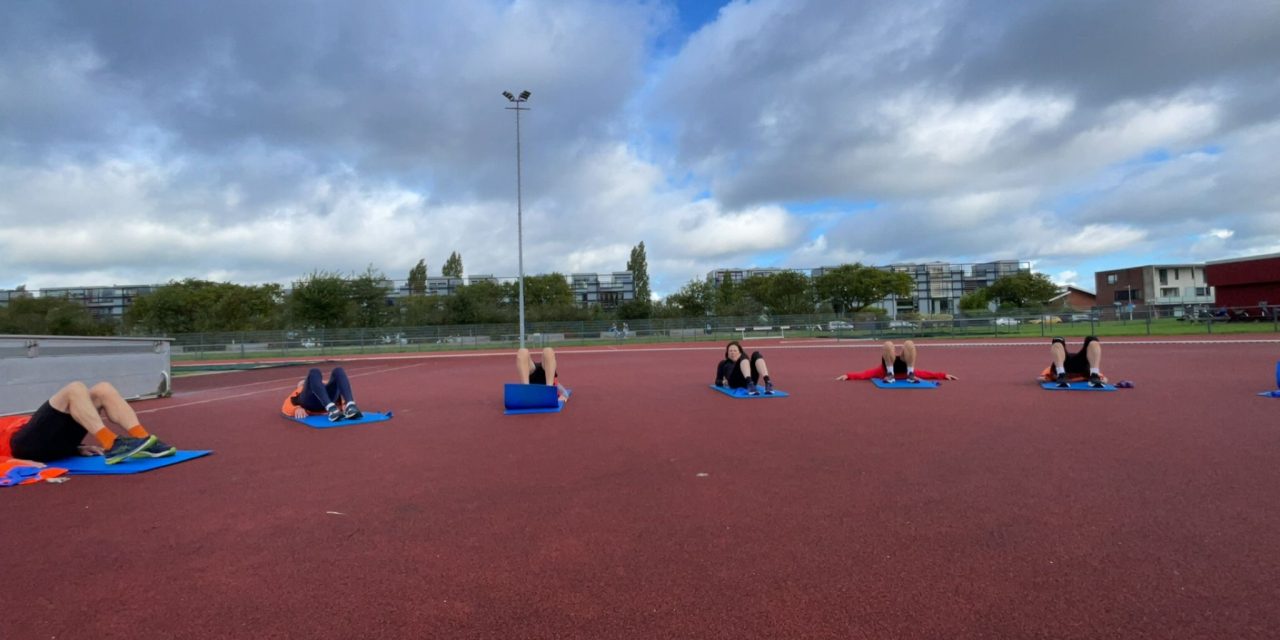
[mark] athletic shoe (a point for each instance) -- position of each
(126, 447)
(158, 449)
(1095, 381)
(752, 390)
(768, 387)
(1062, 380)
(911, 377)
(352, 412)
(335, 414)
(889, 379)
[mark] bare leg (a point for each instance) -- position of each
(106, 397)
(909, 353)
(74, 399)
(1059, 355)
(887, 355)
(744, 365)
(549, 364)
(1094, 353)
(762, 367)
(524, 365)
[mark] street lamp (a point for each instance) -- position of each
(516, 102)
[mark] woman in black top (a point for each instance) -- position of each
(738, 371)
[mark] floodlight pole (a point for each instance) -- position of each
(517, 101)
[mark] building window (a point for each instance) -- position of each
(1164, 276)
(1202, 291)
(1168, 292)
(1111, 278)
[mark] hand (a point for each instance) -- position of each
(722, 383)
(299, 413)
(951, 377)
(843, 376)
(89, 450)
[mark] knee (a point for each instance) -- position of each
(756, 355)
(908, 345)
(103, 389)
(314, 375)
(548, 352)
(338, 371)
(76, 388)
(522, 353)
(888, 345)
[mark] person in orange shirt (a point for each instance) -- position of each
(1084, 364)
(315, 397)
(57, 429)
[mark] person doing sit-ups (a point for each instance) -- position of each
(57, 429)
(893, 365)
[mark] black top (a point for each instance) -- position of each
(731, 370)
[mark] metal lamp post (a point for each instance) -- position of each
(516, 102)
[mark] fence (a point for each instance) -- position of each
(1028, 323)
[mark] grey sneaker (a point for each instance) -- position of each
(126, 447)
(352, 412)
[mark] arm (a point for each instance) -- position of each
(934, 375)
(722, 373)
(874, 372)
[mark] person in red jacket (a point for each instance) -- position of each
(892, 365)
(56, 430)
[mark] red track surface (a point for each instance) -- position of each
(985, 509)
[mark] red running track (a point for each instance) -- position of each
(655, 508)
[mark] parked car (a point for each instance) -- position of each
(836, 325)
(902, 324)
(1078, 317)
(1007, 322)
(1046, 320)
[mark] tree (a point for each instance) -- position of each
(695, 299)
(192, 305)
(638, 265)
(453, 266)
(50, 317)
(783, 293)
(853, 287)
(368, 293)
(479, 302)
(418, 278)
(731, 299)
(321, 300)
(975, 301)
(1022, 289)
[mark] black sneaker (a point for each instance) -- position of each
(352, 412)
(1062, 380)
(159, 449)
(126, 447)
(1095, 381)
(889, 379)
(768, 387)
(335, 414)
(911, 377)
(752, 390)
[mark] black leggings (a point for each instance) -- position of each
(316, 395)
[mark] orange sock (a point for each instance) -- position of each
(138, 431)
(106, 437)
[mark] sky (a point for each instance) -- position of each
(236, 140)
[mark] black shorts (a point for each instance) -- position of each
(539, 375)
(1077, 363)
(899, 366)
(49, 435)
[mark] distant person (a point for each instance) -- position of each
(1084, 364)
(738, 371)
(315, 397)
(893, 365)
(544, 372)
(57, 429)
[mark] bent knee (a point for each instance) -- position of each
(102, 389)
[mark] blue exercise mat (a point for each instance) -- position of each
(1076, 386)
(1270, 394)
(742, 393)
(322, 422)
(97, 465)
(902, 383)
(521, 399)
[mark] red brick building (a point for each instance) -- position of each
(1246, 282)
(1074, 298)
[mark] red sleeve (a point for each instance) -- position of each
(874, 372)
(931, 375)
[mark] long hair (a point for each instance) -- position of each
(734, 343)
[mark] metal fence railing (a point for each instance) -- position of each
(1023, 322)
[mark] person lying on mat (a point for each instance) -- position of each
(892, 365)
(315, 397)
(57, 429)
(544, 372)
(737, 371)
(1082, 365)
